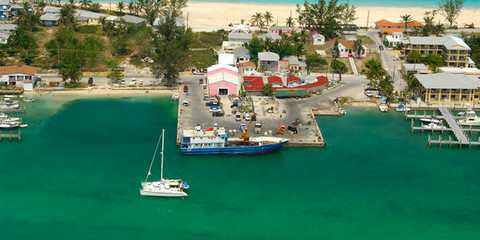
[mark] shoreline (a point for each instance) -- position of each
(103, 92)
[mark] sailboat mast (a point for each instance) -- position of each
(153, 158)
(163, 147)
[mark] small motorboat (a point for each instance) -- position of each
(29, 100)
(342, 111)
(175, 97)
(433, 126)
(402, 108)
(430, 120)
(383, 108)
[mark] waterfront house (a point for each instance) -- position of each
(411, 69)
(385, 24)
(239, 37)
(248, 68)
(131, 20)
(293, 64)
(279, 30)
(253, 84)
(275, 81)
(392, 37)
(273, 37)
(4, 10)
(49, 20)
(223, 80)
(17, 74)
(318, 39)
(453, 50)
(51, 10)
(446, 88)
(346, 49)
(88, 18)
(229, 46)
(240, 28)
(179, 21)
(268, 61)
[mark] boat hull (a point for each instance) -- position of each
(236, 150)
(163, 194)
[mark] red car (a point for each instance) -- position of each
(185, 88)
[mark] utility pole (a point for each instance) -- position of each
(187, 18)
(368, 17)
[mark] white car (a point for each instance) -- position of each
(368, 93)
(133, 82)
(247, 117)
(238, 117)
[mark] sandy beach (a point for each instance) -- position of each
(209, 16)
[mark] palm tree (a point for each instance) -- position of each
(256, 19)
(358, 47)
(131, 7)
(95, 7)
(406, 19)
(72, 2)
(338, 67)
(290, 22)
(85, 3)
(120, 6)
(268, 17)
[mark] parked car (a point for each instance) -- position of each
(133, 82)
(238, 117)
(210, 103)
(122, 82)
(368, 93)
(247, 117)
(217, 113)
(140, 82)
(185, 88)
(258, 128)
(381, 47)
(200, 81)
(185, 103)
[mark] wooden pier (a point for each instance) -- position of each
(11, 135)
(461, 138)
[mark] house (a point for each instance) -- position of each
(7, 28)
(229, 46)
(239, 37)
(275, 81)
(384, 24)
(272, 36)
(248, 69)
(293, 64)
(225, 58)
(411, 69)
(223, 80)
(347, 49)
(446, 88)
(132, 20)
(179, 21)
(453, 50)
(293, 81)
(253, 84)
(51, 10)
(241, 55)
(279, 30)
(318, 39)
(241, 28)
(49, 20)
(4, 37)
(17, 74)
(4, 10)
(393, 38)
(268, 61)
(88, 18)
(16, 9)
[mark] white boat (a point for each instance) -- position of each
(4, 118)
(471, 119)
(8, 106)
(164, 187)
(430, 120)
(383, 108)
(342, 111)
(175, 97)
(433, 126)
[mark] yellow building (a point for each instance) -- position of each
(88, 18)
(446, 88)
(453, 50)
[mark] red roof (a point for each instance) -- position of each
(253, 83)
(18, 69)
(321, 81)
(386, 23)
(294, 79)
(275, 79)
(391, 30)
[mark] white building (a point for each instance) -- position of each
(318, 39)
(17, 74)
(394, 39)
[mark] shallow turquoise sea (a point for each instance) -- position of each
(77, 172)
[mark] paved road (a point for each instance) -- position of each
(388, 61)
(99, 80)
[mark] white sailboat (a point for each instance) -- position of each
(164, 187)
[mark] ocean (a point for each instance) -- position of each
(77, 172)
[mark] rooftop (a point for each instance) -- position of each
(450, 42)
(391, 30)
(4, 2)
(18, 69)
(420, 66)
(386, 23)
(81, 14)
(8, 26)
(270, 35)
(294, 79)
(50, 17)
(244, 36)
(448, 81)
(253, 83)
(268, 56)
(133, 19)
(275, 80)
(51, 9)
(293, 60)
(241, 52)
(282, 28)
(179, 21)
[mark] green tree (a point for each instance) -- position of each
(315, 60)
(114, 74)
(95, 6)
(434, 61)
(170, 44)
(120, 6)
(414, 57)
(451, 9)
(290, 21)
(256, 19)
(338, 67)
(349, 13)
(131, 7)
(335, 50)
(385, 87)
(72, 3)
(23, 43)
(85, 3)
(66, 17)
(28, 20)
(267, 89)
(283, 48)
(268, 17)
(474, 43)
(254, 47)
(358, 47)
(375, 71)
(406, 19)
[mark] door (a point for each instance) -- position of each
(223, 91)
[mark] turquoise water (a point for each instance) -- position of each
(386, 3)
(77, 172)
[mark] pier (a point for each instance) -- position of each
(11, 135)
(461, 138)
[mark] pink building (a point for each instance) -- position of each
(223, 80)
(279, 30)
(347, 49)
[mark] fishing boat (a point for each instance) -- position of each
(383, 108)
(164, 187)
(9, 126)
(217, 141)
(470, 119)
(433, 126)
